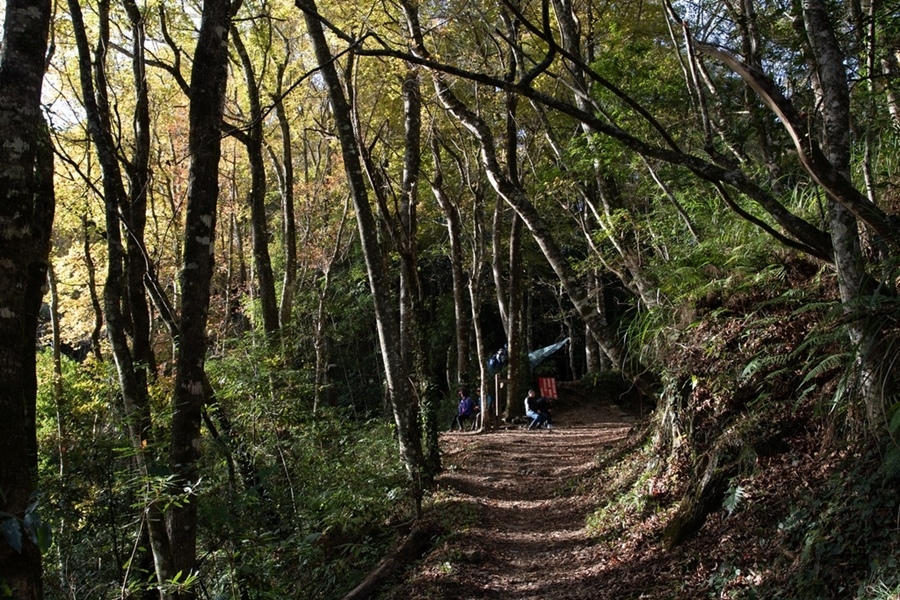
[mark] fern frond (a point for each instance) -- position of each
(833, 361)
(890, 464)
(733, 498)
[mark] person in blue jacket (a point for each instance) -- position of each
(465, 411)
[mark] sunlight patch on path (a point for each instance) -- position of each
(530, 500)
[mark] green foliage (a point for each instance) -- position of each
(733, 497)
(851, 523)
(338, 483)
(317, 518)
(880, 590)
(86, 475)
(330, 479)
(629, 492)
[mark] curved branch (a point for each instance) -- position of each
(811, 156)
(809, 235)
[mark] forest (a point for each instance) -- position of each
(251, 249)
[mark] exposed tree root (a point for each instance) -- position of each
(407, 551)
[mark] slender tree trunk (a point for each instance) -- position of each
(288, 224)
(517, 369)
(475, 281)
(92, 289)
(208, 80)
(500, 287)
(592, 354)
(132, 385)
(61, 441)
(476, 278)
(412, 300)
(134, 209)
(891, 72)
(399, 387)
(833, 91)
(26, 215)
(237, 283)
(321, 323)
(461, 311)
(410, 288)
(253, 140)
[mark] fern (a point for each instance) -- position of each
(890, 464)
(733, 498)
(828, 363)
(765, 363)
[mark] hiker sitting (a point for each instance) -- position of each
(533, 410)
(543, 408)
(465, 411)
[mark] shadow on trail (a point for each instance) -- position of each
(527, 539)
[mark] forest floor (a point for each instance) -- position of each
(526, 535)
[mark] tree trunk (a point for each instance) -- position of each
(208, 80)
(593, 356)
(476, 277)
(288, 225)
(518, 372)
(253, 140)
(92, 288)
(321, 322)
(132, 383)
(462, 313)
(26, 216)
(475, 284)
(134, 210)
(399, 388)
(500, 287)
(831, 86)
(517, 366)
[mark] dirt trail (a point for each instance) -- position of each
(528, 540)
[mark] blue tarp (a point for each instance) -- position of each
(536, 357)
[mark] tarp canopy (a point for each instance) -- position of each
(536, 357)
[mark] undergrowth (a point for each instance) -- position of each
(809, 509)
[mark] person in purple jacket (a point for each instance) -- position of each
(465, 411)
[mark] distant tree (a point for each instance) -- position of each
(284, 169)
(124, 301)
(251, 135)
(461, 311)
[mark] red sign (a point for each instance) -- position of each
(547, 386)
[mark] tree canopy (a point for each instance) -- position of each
(232, 377)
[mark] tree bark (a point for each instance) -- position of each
(26, 216)
(500, 286)
(832, 89)
(92, 289)
(288, 224)
(399, 388)
(321, 322)
(253, 140)
(461, 311)
(134, 210)
(208, 80)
